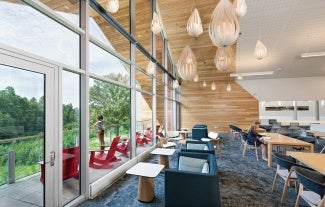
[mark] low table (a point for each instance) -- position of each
(163, 154)
(146, 173)
(215, 143)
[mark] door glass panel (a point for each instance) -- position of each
(71, 131)
(22, 119)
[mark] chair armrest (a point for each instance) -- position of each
(184, 188)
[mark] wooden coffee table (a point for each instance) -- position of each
(146, 173)
(163, 154)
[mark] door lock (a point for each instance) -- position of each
(52, 158)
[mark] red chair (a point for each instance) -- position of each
(124, 147)
(101, 159)
(70, 164)
(140, 139)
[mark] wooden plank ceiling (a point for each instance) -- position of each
(175, 15)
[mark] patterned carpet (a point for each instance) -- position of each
(243, 183)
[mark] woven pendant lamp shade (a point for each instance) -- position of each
(187, 65)
(224, 26)
(156, 25)
(224, 58)
(112, 6)
(194, 24)
(240, 7)
(260, 50)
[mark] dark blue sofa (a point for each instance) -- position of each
(210, 148)
(186, 188)
(199, 131)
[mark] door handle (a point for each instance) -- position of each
(52, 158)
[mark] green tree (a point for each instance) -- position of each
(20, 112)
(111, 101)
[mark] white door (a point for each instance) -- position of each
(29, 129)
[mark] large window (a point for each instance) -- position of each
(112, 103)
(25, 28)
(71, 132)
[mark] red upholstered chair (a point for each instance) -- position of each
(101, 159)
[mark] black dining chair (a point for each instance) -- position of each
(311, 187)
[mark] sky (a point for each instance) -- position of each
(40, 35)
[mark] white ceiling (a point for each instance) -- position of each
(287, 28)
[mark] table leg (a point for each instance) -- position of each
(146, 187)
(163, 160)
(269, 154)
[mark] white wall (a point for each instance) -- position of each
(286, 89)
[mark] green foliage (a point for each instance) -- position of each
(27, 154)
(111, 101)
(18, 115)
(21, 117)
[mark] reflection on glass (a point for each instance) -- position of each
(144, 137)
(22, 119)
(68, 9)
(170, 116)
(112, 102)
(36, 33)
(102, 63)
(71, 139)
(107, 34)
(160, 112)
(143, 81)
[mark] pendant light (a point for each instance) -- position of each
(112, 6)
(260, 50)
(187, 65)
(151, 67)
(156, 25)
(228, 87)
(213, 86)
(196, 78)
(240, 7)
(194, 24)
(175, 84)
(224, 58)
(224, 26)
(204, 84)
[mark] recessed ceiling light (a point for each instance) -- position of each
(313, 54)
(251, 74)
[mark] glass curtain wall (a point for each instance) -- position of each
(57, 39)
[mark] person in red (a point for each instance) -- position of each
(99, 125)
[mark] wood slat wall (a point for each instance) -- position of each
(217, 109)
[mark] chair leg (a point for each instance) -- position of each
(256, 153)
(284, 192)
(298, 196)
(274, 180)
(243, 154)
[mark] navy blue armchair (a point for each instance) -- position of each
(198, 146)
(199, 131)
(188, 188)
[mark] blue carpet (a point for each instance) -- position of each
(243, 183)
